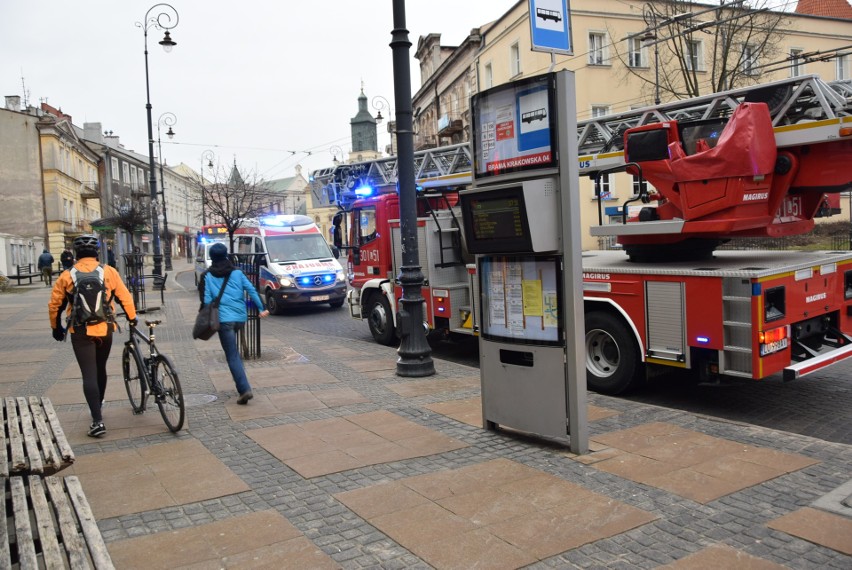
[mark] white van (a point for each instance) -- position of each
(299, 268)
(202, 257)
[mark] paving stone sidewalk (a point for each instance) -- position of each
(339, 463)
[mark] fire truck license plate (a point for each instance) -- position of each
(773, 347)
(319, 298)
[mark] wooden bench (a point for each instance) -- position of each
(32, 441)
(24, 272)
(49, 524)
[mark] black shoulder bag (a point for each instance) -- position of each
(207, 320)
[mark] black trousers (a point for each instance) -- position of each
(92, 353)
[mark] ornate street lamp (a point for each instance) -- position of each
(336, 151)
(650, 35)
(207, 155)
(169, 120)
(382, 104)
(166, 19)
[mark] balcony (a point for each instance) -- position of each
(89, 191)
(449, 125)
(422, 142)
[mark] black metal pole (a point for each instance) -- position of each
(152, 171)
(415, 354)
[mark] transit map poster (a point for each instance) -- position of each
(514, 127)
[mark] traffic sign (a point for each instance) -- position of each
(550, 26)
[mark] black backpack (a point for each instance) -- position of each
(89, 302)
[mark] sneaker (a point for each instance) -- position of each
(97, 429)
(244, 398)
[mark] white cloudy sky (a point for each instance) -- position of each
(251, 80)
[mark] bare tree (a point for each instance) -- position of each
(234, 201)
(698, 49)
(132, 220)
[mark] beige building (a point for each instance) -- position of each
(614, 69)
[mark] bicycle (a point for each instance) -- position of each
(152, 375)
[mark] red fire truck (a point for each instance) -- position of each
(747, 314)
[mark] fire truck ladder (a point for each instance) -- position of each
(449, 236)
(441, 167)
(804, 110)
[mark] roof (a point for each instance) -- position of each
(826, 8)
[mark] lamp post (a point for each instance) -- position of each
(382, 104)
(336, 151)
(208, 156)
(415, 354)
(165, 19)
(167, 119)
(650, 35)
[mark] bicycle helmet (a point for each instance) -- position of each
(86, 244)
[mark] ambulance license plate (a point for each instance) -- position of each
(317, 298)
(771, 347)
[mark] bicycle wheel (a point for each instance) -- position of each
(133, 371)
(170, 400)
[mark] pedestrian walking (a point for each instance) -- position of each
(232, 311)
(88, 290)
(66, 258)
(45, 265)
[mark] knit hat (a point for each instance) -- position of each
(218, 252)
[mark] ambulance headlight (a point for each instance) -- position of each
(341, 277)
(287, 281)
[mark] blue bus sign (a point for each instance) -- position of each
(550, 26)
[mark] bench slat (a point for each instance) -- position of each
(65, 450)
(50, 454)
(23, 532)
(4, 442)
(67, 523)
(94, 539)
(31, 445)
(47, 531)
(16, 444)
(5, 552)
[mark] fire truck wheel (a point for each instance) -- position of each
(612, 355)
(380, 319)
(272, 304)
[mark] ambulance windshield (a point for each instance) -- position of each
(296, 247)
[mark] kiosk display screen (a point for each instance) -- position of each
(521, 299)
(496, 221)
(515, 127)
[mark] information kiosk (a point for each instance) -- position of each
(521, 218)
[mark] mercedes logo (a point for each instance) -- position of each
(317, 280)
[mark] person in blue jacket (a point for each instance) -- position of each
(232, 311)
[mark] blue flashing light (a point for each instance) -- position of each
(364, 191)
(309, 279)
(755, 289)
(702, 339)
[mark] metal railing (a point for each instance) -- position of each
(136, 281)
(248, 338)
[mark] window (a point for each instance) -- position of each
(797, 65)
(515, 59)
(600, 110)
(366, 225)
(596, 48)
(489, 76)
(636, 53)
(606, 187)
(637, 187)
(843, 71)
(125, 169)
(750, 59)
(695, 55)
(134, 181)
(114, 168)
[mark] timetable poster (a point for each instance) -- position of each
(514, 128)
(520, 301)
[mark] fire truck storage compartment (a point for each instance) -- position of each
(666, 320)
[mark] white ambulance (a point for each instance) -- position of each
(299, 268)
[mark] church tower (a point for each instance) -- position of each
(364, 137)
